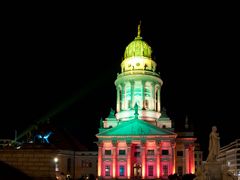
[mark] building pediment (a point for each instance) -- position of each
(136, 127)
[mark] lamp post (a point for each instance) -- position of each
(56, 166)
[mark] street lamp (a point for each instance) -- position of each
(56, 163)
(55, 160)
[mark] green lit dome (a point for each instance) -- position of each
(138, 47)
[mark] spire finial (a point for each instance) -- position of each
(139, 29)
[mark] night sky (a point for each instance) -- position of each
(60, 61)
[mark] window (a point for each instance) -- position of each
(179, 153)
(121, 170)
(150, 170)
(107, 152)
(83, 163)
(165, 170)
(150, 152)
(136, 154)
(69, 165)
(122, 152)
(107, 170)
(164, 152)
(86, 164)
(137, 147)
(89, 164)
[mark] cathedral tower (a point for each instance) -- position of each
(138, 141)
(138, 83)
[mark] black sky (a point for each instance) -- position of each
(61, 61)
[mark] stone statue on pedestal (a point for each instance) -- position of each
(212, 169)
(214, 145)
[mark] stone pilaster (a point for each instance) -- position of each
(186, 154)
(114, 159)
(129, 163)
(158, 159)
(143, 146)
(173, 146)
(100, 145)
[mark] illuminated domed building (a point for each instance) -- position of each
(138, 141)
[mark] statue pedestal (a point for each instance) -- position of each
(214, 170)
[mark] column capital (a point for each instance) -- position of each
(132, 82)
(144, 81)
(186, 146)
(143, 142)
(173, 144)
(159, 142)
(191, 147)
(129, 142)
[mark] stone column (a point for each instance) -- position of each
(143, 90)
(153, 97)
(100, 160)
(132, 94)
(114, 160)
(191, 159)
(118, 99)
(158, 100)
(123, 96)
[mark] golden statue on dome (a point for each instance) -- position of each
(139, 29)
